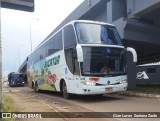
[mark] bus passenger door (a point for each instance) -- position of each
(69, 50)
(70, 72)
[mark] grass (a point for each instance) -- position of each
(8, 106)
(148, 88)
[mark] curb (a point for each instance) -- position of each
(138, 94)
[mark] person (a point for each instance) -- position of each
(104, 69)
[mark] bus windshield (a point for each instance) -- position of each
(17, 75)
(95, 33)
(103, 61)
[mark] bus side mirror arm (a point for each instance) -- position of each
(79, 53)
(134, 53)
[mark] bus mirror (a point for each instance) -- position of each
(79, 53)
(133, 51)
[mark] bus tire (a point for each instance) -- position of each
(36, 89)
(65, 93)
(11, 85)
(32, 85)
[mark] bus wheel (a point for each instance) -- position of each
(36, 89)
(66, 95)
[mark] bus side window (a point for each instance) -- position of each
(69, 37)
(55, 43)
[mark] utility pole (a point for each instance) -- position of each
(0, 64)
(30, 31)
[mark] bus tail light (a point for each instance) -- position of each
(94, 79)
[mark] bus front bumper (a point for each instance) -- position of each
(91, 90)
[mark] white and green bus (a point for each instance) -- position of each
(82, 58)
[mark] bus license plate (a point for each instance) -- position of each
(109, 89)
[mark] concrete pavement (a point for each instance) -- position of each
(139, 94)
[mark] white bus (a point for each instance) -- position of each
(83, 58)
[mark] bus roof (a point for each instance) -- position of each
(15, 73)
(72, 22)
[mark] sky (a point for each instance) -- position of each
(18, 28)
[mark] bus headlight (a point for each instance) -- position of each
(123, 81)
(89, 83)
